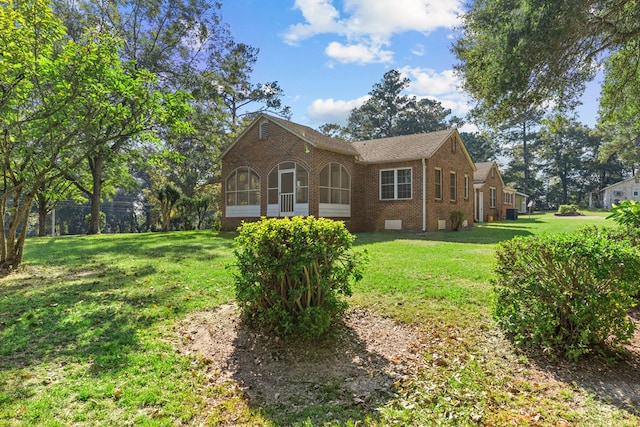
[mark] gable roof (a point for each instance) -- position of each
(405, 147)
(305, 133)
(624, 181)
(482, 172)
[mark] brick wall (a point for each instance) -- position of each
(368, 212)
(262, 155)
(410, 211)
(493, 180)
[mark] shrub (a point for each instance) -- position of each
(291, 273)
(626, 213)
(456, 217)
(568, 293)
(568, 210)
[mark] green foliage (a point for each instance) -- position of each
(568, 210)
(292, 271)
(390, 113)
(626, 213)
(520, 54)
(456, 216)
(567, 293)
(102, 220)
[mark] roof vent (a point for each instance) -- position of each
(264, 129)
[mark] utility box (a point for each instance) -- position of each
(512, 214)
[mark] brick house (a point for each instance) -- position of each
(277, 168)
(491, 197)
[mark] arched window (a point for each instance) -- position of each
(335, 185)
(243, 188)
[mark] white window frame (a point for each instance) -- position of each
(395, 184)
(493, 197)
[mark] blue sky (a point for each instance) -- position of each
(327, 54)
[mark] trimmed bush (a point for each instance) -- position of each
(292, 271)
(568, 210)
(568, 294)
(457, 217)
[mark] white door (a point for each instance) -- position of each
(480, 206)
(286, 191)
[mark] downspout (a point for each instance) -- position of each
(424, 196)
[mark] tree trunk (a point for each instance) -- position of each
(96, 165)
(13, 248)
(42, 215)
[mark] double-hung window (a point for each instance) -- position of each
(438, 183)
(453, 186)
(492, 197)
(395, 184)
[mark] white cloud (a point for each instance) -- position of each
(333, 111)
(359, 53)
(442, 86)
(369, 25)
(425, 81)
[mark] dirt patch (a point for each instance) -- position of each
(358, 365)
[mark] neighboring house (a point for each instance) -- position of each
(277, 168)
(521, 202)
(629, 189)
(491, 197)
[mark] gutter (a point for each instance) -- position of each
(424, 195)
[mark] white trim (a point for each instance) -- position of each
(242, 211)
(334, 210)
(395, 183)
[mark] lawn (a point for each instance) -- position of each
(88, 330)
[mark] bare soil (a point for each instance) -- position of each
(367, 355)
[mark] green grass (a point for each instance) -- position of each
(86, 328)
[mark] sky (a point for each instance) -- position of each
(326, 55)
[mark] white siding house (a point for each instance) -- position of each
(629, 189)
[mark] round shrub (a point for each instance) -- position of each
(569, 293)
(292, 271)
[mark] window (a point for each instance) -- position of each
(452, 186)
(438, 183)
(466, 186)
(335, 185)
(618, 193)
(395, 184)
(507, 198)
(492, 197)
(243, 187)
(263, 131)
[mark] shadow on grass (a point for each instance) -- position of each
(614, 380)
(174, 246)
(92, 315)
(479, 234)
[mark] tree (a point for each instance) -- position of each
(168, 197)
(232, 68)
(481, 146)
(168, 40)
(565, 149)
(519, 55)
(50, 88)
(388, 112)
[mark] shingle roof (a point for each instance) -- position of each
(316, 138)
(402, 148)
(482, 171)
